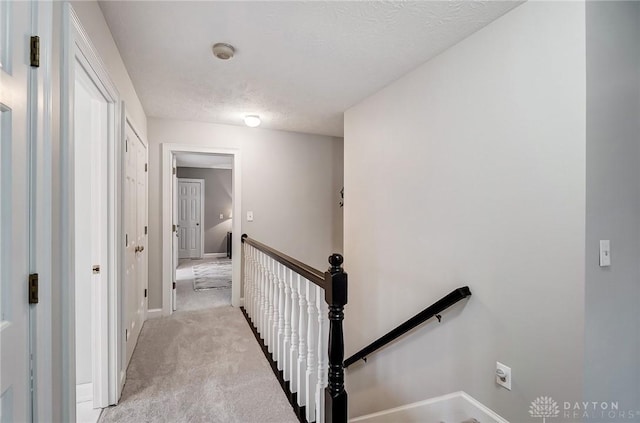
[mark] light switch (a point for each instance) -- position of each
(249, 216)
(221, 216)
(605, 253)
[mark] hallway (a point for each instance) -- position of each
(188, 299)
(200, 366)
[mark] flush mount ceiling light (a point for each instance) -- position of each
(223, 51)
(252, 120)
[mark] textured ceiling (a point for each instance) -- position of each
(299, 64)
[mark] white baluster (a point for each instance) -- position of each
(270, 292)
(260, 302)
(273, 306)
(302, 345)
(252, 287)
(323, 353)
(276, 303)
(286, 340)
(281, 302)
(312, 340)
(295, 314)
(246, 254)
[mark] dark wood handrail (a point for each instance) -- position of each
(432, 311)
(306, 271)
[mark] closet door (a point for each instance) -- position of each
(135, 222)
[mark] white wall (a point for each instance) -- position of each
(470, 170)
(612, 354)
(93, 21)
(288, 182)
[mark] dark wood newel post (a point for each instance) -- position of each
(336, 297)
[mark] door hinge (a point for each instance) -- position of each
(145, 292)
(146, 230)
(174, 170)
(126, 145)
(33, 288)
(174, 285)
(96, 269)
(174, 228)
(126, 240)
(145, 167)
(34, 51)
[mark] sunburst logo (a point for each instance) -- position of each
(544, 407)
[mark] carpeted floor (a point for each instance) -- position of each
(200, 366)
(212, 273)
(189, 299)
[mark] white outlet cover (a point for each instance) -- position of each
(249, 216)
(507, 373)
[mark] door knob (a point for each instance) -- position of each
(197, 224)
(141, 249)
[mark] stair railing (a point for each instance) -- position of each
(296, 314)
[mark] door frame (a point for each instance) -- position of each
(41, 314)
(201, 182)
(168, 151)
(76, 46)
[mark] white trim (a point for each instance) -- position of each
(201, 224)
(168, 151)
(77, 46)
(42, 174)
(84, 392)
(453, 401)
(154, 313)
(212, 255)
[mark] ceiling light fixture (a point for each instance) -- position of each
(252, 121)
(223, 51)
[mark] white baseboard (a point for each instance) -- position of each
(210, 255)
(84, 392)
(154, 313)
(455, 407)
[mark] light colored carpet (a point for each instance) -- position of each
(188, 299)
(200, 366)
(212, 273)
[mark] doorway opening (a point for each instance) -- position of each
(203, 215)
(228, 240)
(91, 118)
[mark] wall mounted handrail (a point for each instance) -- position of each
(313, 275)
(432, 311)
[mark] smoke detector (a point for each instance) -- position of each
(223, 51)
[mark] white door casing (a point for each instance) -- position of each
(190, 214)
(91, 260)
(135, 220)
(174, 238)
(15, 397)
(168, 152)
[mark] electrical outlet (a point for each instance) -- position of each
(221, 216)
(503, 375)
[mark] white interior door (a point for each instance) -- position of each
(135, 222)
(174, 189)
(91, 117)
(15, 398)
(190, 217)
